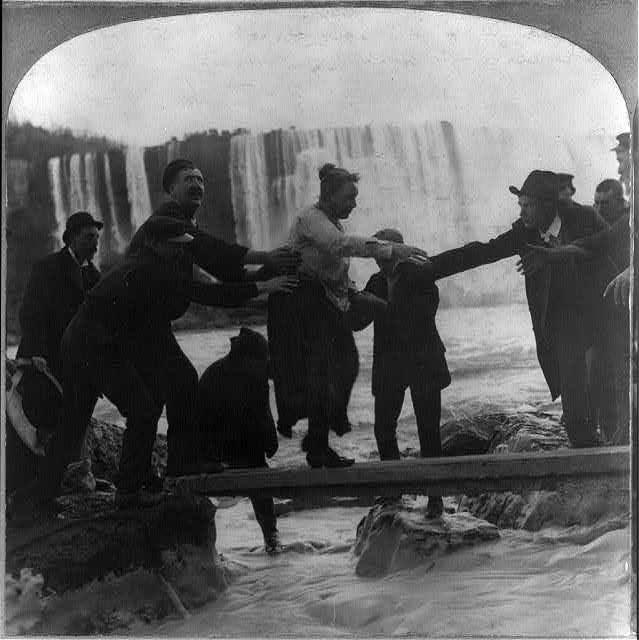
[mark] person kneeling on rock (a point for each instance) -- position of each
(236, 423)
(119, 344)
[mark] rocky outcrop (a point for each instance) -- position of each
(397, 534)
(163, 556)
(585, 503)
(494, 432)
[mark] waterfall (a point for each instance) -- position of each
(55, 184)
(441, 185)
(137, 187)
(91, 183)
(76, 188)
(116, 235)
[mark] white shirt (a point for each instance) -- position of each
(325, 249)
(75, 258)
(552, 232)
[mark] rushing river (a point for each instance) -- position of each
(524, 584)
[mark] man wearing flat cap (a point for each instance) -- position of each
(184, 185)
(622, 152)
(116, 346)
(562, 298)
(56, 287)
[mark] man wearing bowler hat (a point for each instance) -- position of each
(114, 346)
(562, 298)
(56, 287)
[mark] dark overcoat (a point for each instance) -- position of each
(406, 338)
(56, 288)
(573, 289)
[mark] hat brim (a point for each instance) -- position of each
(185, 238)
(514, 190)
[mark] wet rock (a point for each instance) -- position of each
(567, 503)
(105, 446)
(499, 432)
(93, 543)
(397, 535)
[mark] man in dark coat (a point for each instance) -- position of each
(116, 346)
(610, 366)
(205, 256)
(236, 422)
(56, 287)
(563, 299)
(407, 353)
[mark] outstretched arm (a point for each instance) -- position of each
(475, 254)
(236, 294)
(324, 234)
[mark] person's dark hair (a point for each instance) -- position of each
(172, 169)
(332, 179)
(611, 185)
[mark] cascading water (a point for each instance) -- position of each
(441, 185)
(55, 184)
(116, 236)
(76, 188)
(137, 187)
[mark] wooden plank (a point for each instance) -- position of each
(446, 476)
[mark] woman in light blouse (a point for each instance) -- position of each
(315, 361)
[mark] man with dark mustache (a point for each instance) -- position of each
(184, 185)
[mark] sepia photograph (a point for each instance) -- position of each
(319, 319)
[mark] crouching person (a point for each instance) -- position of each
(120, 344)
(236, 423)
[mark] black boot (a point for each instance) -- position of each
(327, 458)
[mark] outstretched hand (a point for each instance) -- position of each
(279, 284)
(534, 260)
(406, 253)
(619, 288)
(283, 260)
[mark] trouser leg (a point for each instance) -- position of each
(344, 373)
(264, 509)
(128, 390)
(180, 389)
(80, 398)
(427, 403)
(319, 342)
(571, 347)
(388, 406)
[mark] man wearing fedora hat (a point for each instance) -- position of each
(56, 287)
(562, 298)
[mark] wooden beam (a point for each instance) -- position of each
(445, 476)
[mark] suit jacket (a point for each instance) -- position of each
(572, 290)
(406, 342)
(144, 294)
(56, 288)
(219, 258)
